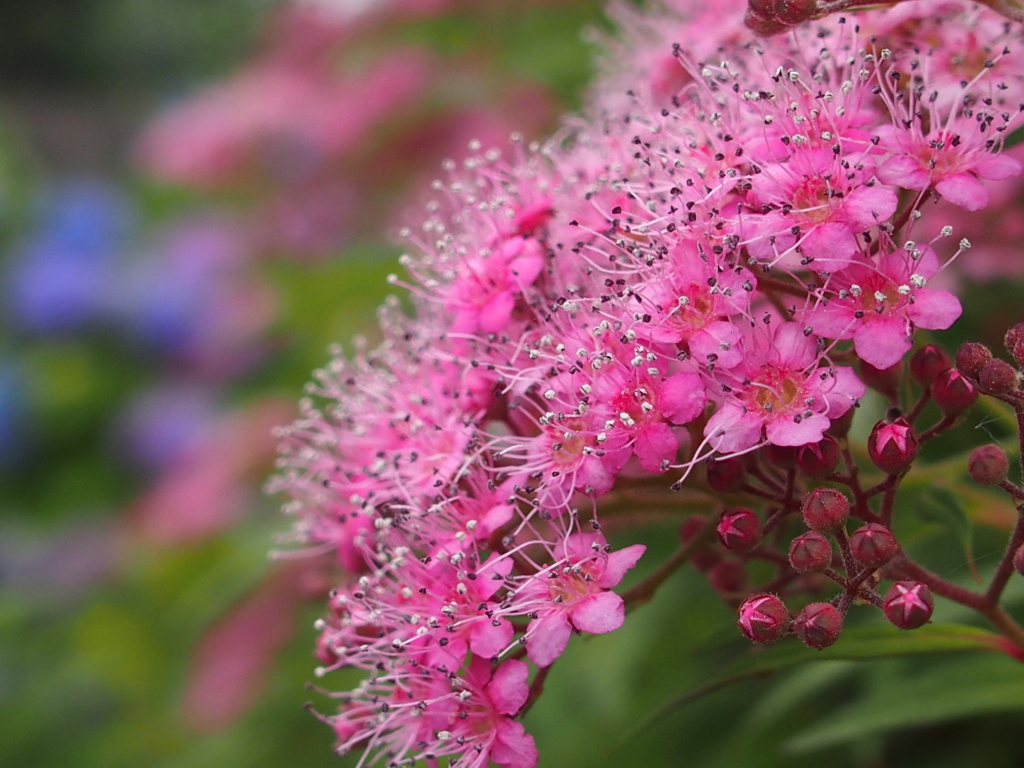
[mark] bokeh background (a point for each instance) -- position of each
(197, 197)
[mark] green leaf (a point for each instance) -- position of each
(1016, 137)
(974, 687)
(855, 644)
(936, 504)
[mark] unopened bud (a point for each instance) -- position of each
(998, 378)
(818, 625)
(782, 456)
(763, 618)
(726, 475)
(971, 358)
(795, 12)
(908, 604)
(325, 652)
(739, 529)
(810, 552)
(1011, 9)
(927, 363)
(1018, 560)
(705, 558)
(840, 426)
(728, 576)
(819, 460)
(988, 465)
(1014, 341)
(825, 510)
(893, 446)
(873, 545)
(883, 380)
(763, 26)
(953, 392)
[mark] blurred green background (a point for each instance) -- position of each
(196, 198)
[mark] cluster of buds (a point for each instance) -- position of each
(858, 561)
(708, 270)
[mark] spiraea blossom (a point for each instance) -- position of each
(690, 272)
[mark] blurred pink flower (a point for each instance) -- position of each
(207, 487)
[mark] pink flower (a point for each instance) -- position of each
(575, 594)
(880, 306)
(693, 302)
(814, 203)
(781, 394)
(427, 714)
(950, 160)
(483, 296)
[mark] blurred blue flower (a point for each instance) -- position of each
(60, 277)
(13, 413)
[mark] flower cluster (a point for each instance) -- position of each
(686, 275)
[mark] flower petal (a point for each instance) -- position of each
(601, 612)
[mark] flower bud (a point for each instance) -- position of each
(325, 652)
(988, 465)
(971, 358)
(818, 460)
(739, 529)
(825, 510)
(953, 392)
(1018, 560)
(763, 618)
(810, 552)
(927, 363)
(705, 558)
(795, 12)
(872, 545)
(763, 26)
(892, 446)
(1014, 341)
(883, 380)
(840, 426)
(818, 625)
(998, 378)
(726, 475)
(728, 576)
(908, 604)
(782, 456)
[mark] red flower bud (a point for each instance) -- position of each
(739, 529)
(873, 545)
(325, 652)
(927, 363)
(908, 604)
(1014, 341)
(782, 456)
(892, 446)
(971, 358)
(1018, 560)
(795, 12)
(704, 559)
(763, 25)
(953, 392)
(884, 380)
(726, 475)
(825, 510)
(763, 618)
(819, 460)
(840, 427)
(818, 625)
(728, 576)
(988, 465)
(810, 552)
(998, 377)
